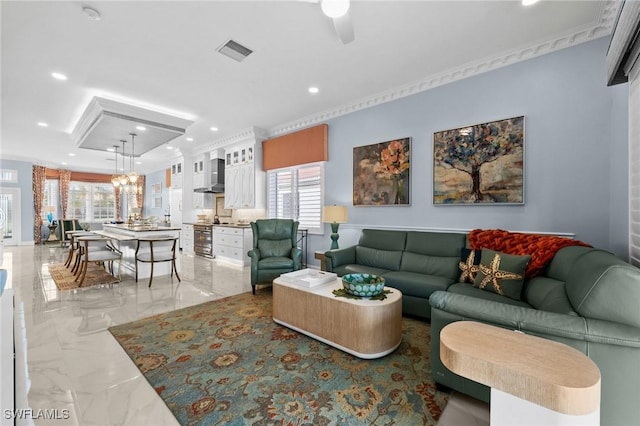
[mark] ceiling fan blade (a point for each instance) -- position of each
(344, 28)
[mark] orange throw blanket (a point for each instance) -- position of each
(541, 248)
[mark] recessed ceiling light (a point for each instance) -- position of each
(334, 8)
(138, 162)
(189, 139)
(214, 129)
(71, 154)
(91, 13)
(64, 163)
(111, 149)
(529, 2)
(141, 128)
(313, 90)
(58, 76)
(169, 147)
(41, 124)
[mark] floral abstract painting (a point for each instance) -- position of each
(381, 173)
(480, 164)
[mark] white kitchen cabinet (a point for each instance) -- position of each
(231, 244)
(232, 187)
(186, 238)
(244, 178)
(247, 191)
(177, 173)
(198, 182)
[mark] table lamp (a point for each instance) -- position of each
(334, 215)
(50, 210)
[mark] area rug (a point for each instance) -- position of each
(227, 362)
(65, 280)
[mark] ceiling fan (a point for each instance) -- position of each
(338, 11)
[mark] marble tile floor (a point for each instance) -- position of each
(73, 362)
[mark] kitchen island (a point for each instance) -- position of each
(125, 238)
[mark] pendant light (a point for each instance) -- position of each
(133, 176)
(115, 179)
(124, 179)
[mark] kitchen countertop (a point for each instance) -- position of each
(226, 225)
(126, 227)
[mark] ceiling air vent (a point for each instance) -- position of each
(234, 50)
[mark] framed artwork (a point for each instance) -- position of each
(157, 202)
(156, 189)
(381, 173)
(482, 164)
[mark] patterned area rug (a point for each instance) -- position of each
(65, 280)
(227, 362)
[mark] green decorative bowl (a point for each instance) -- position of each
(363, 285)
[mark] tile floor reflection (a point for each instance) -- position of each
(73, 361)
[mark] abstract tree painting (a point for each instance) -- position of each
(480, 164)
(381, 173)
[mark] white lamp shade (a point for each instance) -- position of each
(334, 214)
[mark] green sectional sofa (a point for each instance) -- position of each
(416, 263)
(586, 298)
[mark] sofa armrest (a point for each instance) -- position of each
(338, 257)
(536, 322)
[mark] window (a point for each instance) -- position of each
(296, 193)
(51, 196)
(91, 202)
(8, 175)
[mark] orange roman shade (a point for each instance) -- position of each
(302, 147)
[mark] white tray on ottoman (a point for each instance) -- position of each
(308, 277)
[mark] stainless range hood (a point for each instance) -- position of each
(215, 183)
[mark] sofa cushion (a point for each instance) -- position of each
(354, 268)
(547, 294)
(383, 239)
(560, 266)
(275, 248)
(430, 265)
(469, 265)
(441, 244)
(501, 273)
(384, 259)
(275, 263)
(467, 290)
(417, 285)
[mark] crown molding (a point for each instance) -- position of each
(602, 27)
(252, 134)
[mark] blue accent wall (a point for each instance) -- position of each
(576, 138)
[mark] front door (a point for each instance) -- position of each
(10, 216)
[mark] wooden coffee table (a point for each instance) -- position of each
(365, 328)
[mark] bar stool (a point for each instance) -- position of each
(161, 249)
(96, 248)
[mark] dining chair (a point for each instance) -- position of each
(96, 248)
(157, 249)
(71, 237)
